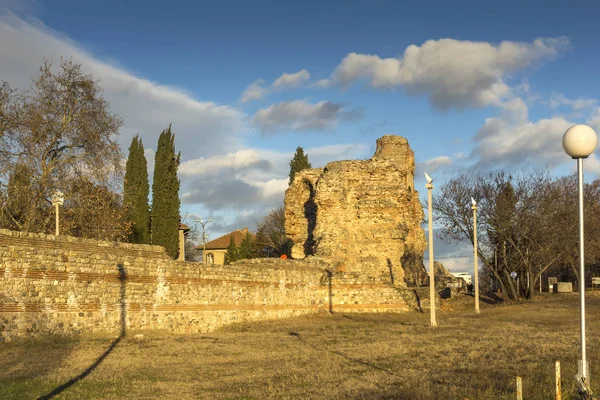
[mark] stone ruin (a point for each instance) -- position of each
(361, 216)
(446, 284)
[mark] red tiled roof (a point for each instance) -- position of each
(222, 242)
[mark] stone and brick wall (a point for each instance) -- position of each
(65, 285)
(365, 214)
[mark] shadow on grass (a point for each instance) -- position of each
(488, 298)
(340, 354)
(58, 390)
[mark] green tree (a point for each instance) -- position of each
(165, 195)
(246, 247)
(298, 163)
(232, 251)
(135, 192)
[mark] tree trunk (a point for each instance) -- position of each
(500, 282)
(512, 294)
(531, 289)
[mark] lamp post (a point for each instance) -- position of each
(429, 187)
(579, 141)
(58, 198)
(475, 255)
(203, 223)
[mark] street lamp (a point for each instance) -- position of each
(475, 255)
(579, 141)
(203, 223)
(429, 187)
(58, 198)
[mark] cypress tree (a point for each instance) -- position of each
(246, 247)
(232, 251)
(135, 192)
(298, 163)
(165, 195)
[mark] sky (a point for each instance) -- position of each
(470, 84)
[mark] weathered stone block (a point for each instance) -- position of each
(563, 287)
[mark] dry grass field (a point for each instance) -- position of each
(340, 356)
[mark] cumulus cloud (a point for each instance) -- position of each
(247, 158)
(322, 83)
(511, 139)
(254, 91)
(301, 116)
(147, 107)
(452, 73)
(559, 100)
(594, 120)
(215, 193)
(258, 90)
(291, 80)
(433, 164)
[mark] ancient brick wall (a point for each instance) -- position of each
(67, 285)
(363, 214)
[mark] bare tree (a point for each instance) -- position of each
(62, 133)
(270, 236)
(521, 223)
(192, 238)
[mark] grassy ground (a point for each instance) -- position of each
(340, 356)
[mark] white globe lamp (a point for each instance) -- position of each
(579, 141)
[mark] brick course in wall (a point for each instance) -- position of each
(65, 285)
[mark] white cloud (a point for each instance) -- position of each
(452, 73)
(207, 165)
(257, 90)
(322, 83)
(433, 164)
(594, 120)
(146, 106)
(558, 100)
(273, 187)
(293, 80)
(458, 264)
(511, 139)
(254, 91)
(299, 115)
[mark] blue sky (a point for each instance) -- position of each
(469, 83)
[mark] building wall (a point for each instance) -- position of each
(218, 256)
(68, 285)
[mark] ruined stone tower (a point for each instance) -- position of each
(362, 216)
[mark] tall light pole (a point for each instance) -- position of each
(58, 199)
(429, 187)
(203, 223)
(475, 255)
(579, 141)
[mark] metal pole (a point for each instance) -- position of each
(203, 245)
(57, 219)
(475, 257)
(581, 270)
(558, 392)
(429, 187)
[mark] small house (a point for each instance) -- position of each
(216, 249)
